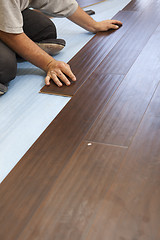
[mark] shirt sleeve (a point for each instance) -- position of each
(11, 20)
(56, 8)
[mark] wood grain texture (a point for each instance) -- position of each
(63, 190)
(119, 59)
(69, 208)
(84, 63)
(118, 122)
(141, 5)
(34, 175)
(131, 208)
(125, 52)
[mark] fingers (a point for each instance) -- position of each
(112, 26)
(63, 78)
(69, 73)
(119, 23)
(54, 77)
(47, 82)
(108, 24)
(56, 80)
(59, 73)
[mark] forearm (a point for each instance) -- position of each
(27, 49)
(82, 19)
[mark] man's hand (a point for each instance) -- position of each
(26, 48)
(57, 71)
(106, 25)
(82, 19)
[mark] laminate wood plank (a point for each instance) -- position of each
(131, 208)
(91, 55)
(84, 3)
(125, 52)
(118, 122)
(122, 56)
(69, 208)
(27, 185)
(136, 5)
(140, 5)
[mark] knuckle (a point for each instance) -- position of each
(62, 64)
(52, 72)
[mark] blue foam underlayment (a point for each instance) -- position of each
(24, 112)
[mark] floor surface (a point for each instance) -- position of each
(22, 121)
(93, 174)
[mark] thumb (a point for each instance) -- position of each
(113, 26)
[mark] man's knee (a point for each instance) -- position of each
(51, 30)
(8, 65)
(37, 26)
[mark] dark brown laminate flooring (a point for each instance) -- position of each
(75, 205)
(131, 209)
(120, 118)
(93, 53)
(94, 172)
(141, 5)
(114, 61)
(38, 169)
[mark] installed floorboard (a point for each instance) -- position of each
(92, 54)
(140, 5)
(131, 208)
(120, 58)
(125, 52)
(63, 190)
(120, 118)
(34, 175)
(69, 208)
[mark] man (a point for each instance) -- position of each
(33, 36)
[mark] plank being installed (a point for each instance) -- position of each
(121, 57)
(120, 118)
(131, 208)
(69, 208)
(30, 181)
(92, 54)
